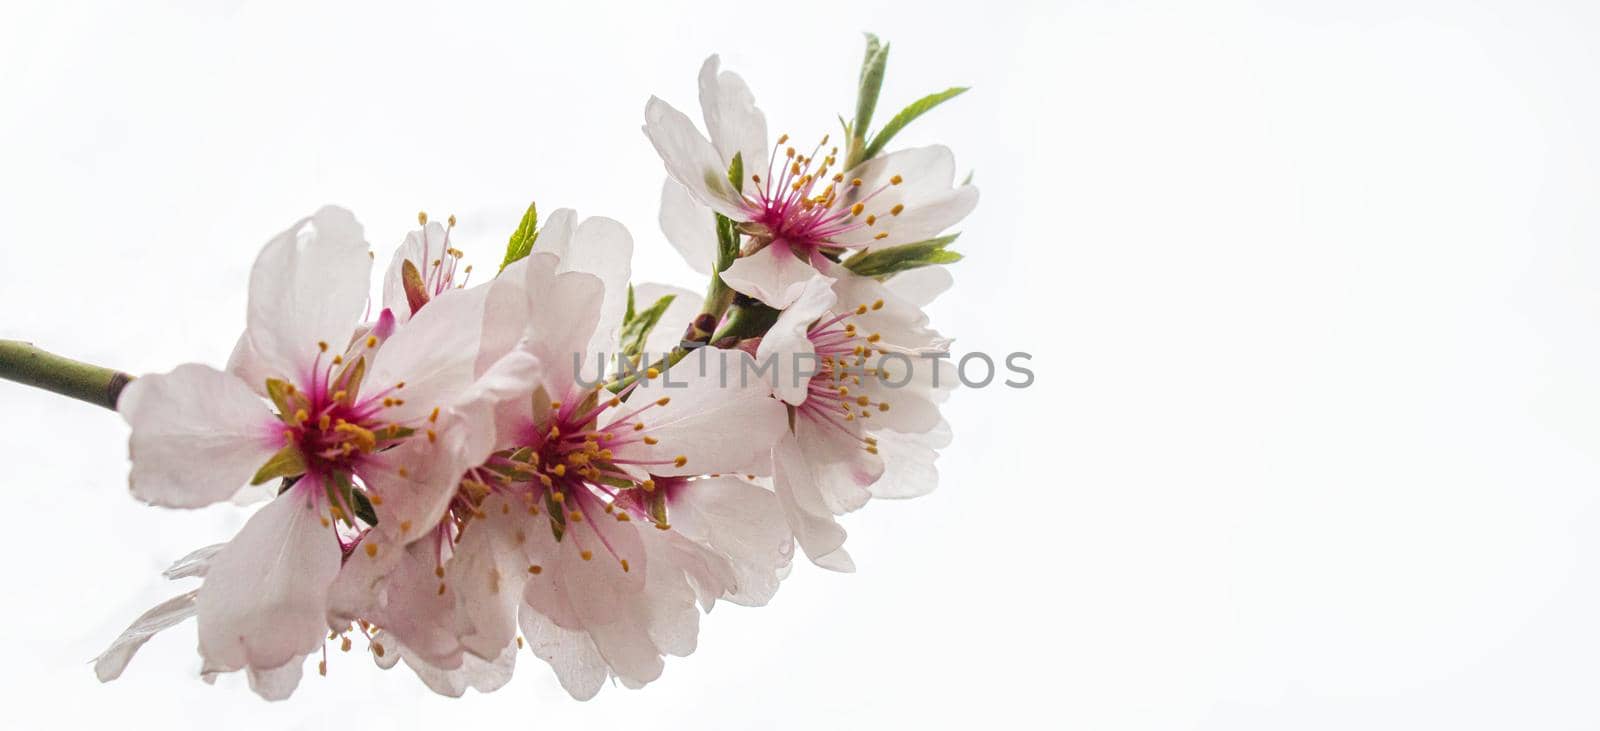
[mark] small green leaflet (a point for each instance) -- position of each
(905, 117)
(872, 69)
(522, 239)
(883, 262)
(288, 462)
(639, 325)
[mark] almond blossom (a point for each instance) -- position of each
(339, 418)
(799, 206)
(857, 363)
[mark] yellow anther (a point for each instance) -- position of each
(624, 565)
(876, 305)
(855, 182)
(861, 310)
(375, 499)
(338, 359)
(896, 180)
(783, 138)
(575, 516)
(651, 440)
(555, 432)
(434, 417)
(638, 426)
(403, 472)
(555, 405)
(344, 644)
(652, 373)
(405, 526)
(875, 337)
(322, 668)
(623, 518)
(340, 395)
(872, 220)
(322, 345)
(324, 421)
(559, 497)
(856, 209)
(451, 220)
(679, 461)
(872, 450)
(884, 406)
(663, 400)
(372, 550)
(881, 235)
(372, 341)
(535, 569)
(862, 400)
(587, 555)
(441, 588)
(559, 470)
(432, 436)
(422, 217)
(648, 485)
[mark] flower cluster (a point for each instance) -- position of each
(544, 459)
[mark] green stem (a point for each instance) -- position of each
(23, 363)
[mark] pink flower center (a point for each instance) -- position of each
(798, 202)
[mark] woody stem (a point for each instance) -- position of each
(24, 363)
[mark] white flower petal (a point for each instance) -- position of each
(716, 420)
(434, 354)
(773, 275)
(110, 664)
(277, 683)
(308, 285)
(602, 247)
(787, 346)
(815, 529)
(742, 524)
(909, 462)
(690, 159)
(732, 119)
(199, 435)
(195, 563)
(689, 226)
(264, 600)
(920, 287)
(570, 653)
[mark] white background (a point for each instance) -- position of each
(1310, 289)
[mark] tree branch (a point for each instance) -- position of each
(23, 363)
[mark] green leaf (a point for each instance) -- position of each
(882, 262)
(628, 314)
(907, 115)
(288, 462)
(521, 243)
(736, 172)
(727, 242)
(637, 329)
(872, 69)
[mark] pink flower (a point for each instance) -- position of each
(351, 417)
(853, 362)
(797, 205)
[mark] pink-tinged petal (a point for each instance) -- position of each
(553, 314)
(308, 286)
(415, 480)
(690, 159)
(715, 419)
(773, 275)
(920, 287)
(194, 564)
(277, 683)
(841, 464)
(689, 226)
(669, 330)
(506, 383)
(110, 664)
(788, 348)
(602, 247)
(484, 676)
(435, 355)
(244, 363)
(908, 459)
(920, 220)
(422, 248)
(487, 574)
(674, 621)
(796, 483)
(743, 525)
(198, 436)
(732, 119)
(265, 597)
(398, 589)
(571, 654)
